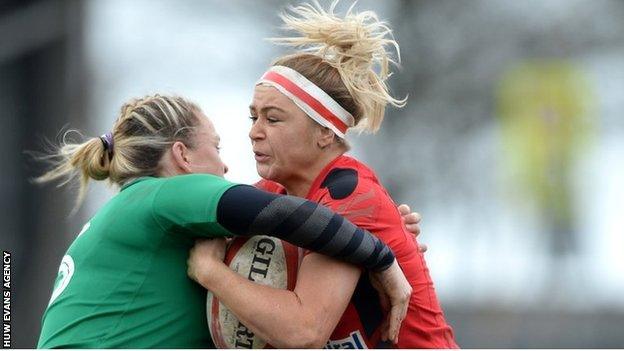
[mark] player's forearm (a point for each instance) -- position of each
(275, 315)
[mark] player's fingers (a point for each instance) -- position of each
(404, 209)
(422, 248)
(397, 315)
(412, 218)
(384, 330)
(189, 268)
(413, 228)
(399, 291)
(395, 319)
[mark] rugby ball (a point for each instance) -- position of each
(265, 260)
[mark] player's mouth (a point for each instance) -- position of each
(260, 157)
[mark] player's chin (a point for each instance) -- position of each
(265, 171)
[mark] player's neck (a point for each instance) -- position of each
(301, 184)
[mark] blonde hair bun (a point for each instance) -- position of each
(357, 45)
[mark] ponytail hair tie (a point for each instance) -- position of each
(107, 141)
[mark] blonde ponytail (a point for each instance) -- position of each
(356, 46)
(89, 160)
(140, 136)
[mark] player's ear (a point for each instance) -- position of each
(179, 154)
(326, 137)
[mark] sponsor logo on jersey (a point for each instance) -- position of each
(65, 273)
(353, 341)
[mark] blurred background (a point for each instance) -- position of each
(511, 145)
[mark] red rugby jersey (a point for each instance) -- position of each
(351, 189)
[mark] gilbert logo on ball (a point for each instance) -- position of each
(264, 260)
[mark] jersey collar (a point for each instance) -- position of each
(134, 181)
(321, 176)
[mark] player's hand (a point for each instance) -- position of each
(203, 258)
(411, 220)
(394, 293)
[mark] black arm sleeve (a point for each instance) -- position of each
(246, 211)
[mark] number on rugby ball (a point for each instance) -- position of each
(265, 260)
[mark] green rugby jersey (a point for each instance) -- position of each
(123, 282)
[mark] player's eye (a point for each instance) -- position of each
(253, 119)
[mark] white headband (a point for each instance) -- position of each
(310, 98)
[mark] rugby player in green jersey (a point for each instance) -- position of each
(123, 282)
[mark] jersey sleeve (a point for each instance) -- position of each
(245, 210)
(187, 205)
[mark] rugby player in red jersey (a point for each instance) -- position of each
(301, 109)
